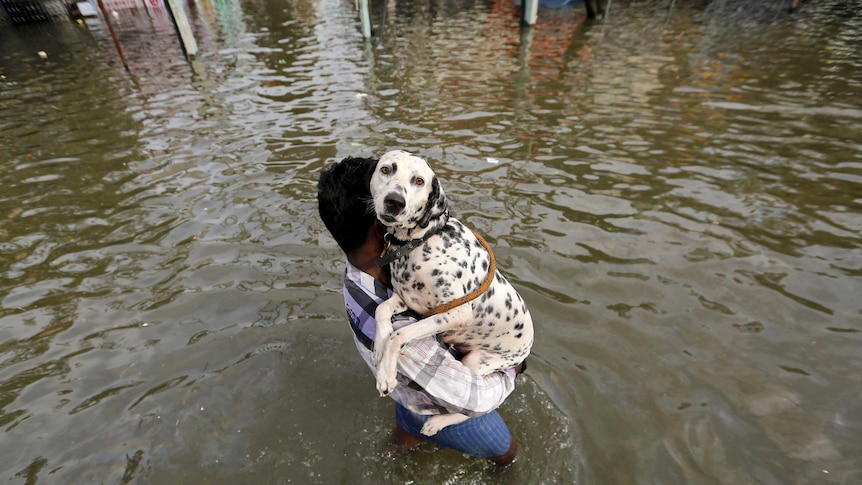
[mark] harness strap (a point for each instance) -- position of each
(388, 256)
(489, 278)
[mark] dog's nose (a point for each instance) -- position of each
(394, 203)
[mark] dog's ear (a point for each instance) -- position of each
(437, 204)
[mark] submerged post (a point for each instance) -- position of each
(594, 9)
(531, 12)
(365, 16)
(183, 27)
(113, 34)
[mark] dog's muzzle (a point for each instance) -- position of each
(393, 204)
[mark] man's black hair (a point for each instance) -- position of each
(344, 200)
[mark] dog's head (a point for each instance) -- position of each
(406, 192)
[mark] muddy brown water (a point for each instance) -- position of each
(676, 191)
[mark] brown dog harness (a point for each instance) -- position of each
(492, 269)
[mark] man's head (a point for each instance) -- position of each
(344, 201)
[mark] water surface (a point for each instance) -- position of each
(676, 191)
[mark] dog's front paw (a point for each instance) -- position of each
(386, 383)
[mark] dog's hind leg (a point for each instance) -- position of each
(440, 421)
(482, 362)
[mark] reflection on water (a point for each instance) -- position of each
(675, 191)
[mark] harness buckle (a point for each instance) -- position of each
(387, 243)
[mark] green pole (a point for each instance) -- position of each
(366, 19)
(183, 27)
(531, 11)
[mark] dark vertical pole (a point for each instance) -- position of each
(595, 10)
(113, 34)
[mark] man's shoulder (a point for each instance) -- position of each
(357, 282)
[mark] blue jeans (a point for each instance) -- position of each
(484, 436)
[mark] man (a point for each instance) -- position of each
(431, 379)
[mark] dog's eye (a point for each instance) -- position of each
(385, 170)
(419, 181)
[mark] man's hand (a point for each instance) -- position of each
(520, 368)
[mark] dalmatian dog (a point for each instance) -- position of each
(435, 260)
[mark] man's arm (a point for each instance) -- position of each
(447, 382)
(451, 384)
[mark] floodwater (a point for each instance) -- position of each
(676, 191)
